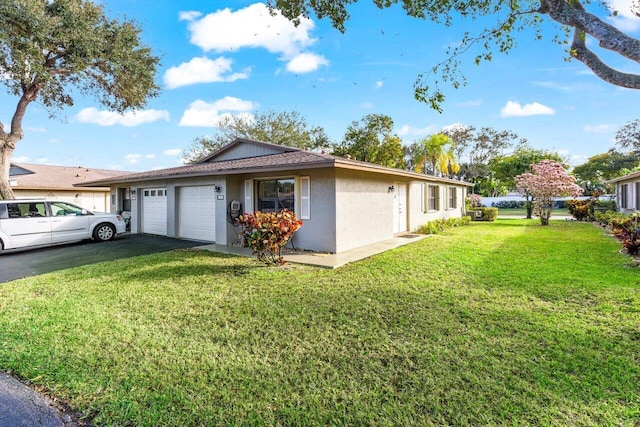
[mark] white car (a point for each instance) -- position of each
(36, 222)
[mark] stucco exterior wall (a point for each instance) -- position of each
(97, 201)
(348, 208)
(364, 209)
(419, 217)
(318, 231)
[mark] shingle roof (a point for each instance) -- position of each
(292, 160)
(47, 177)
(632, 175)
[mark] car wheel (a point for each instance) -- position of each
(104, 232)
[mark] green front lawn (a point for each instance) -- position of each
(491, 323)
(522, 212)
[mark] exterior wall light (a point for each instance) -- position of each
(392, 189)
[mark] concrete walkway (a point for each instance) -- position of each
(323, 259)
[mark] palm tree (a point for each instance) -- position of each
(437, 151)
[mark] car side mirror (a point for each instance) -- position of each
(85, 212)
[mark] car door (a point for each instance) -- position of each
(27, 224)
(68, 222)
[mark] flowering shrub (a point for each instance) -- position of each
(580, 209)
(627, 230)
(266, 233)
(474, 200)
(547, 181)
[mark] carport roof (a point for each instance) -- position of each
(291, 160)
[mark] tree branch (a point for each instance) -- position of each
(581, 52)
(573, 14)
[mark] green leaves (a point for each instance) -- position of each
(50, 47)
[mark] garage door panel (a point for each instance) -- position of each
(154, 211)
(197, 213)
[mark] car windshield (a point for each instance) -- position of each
(60, 209)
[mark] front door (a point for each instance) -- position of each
(400, 208)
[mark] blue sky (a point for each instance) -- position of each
(232, 57)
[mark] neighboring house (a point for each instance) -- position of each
(343, 203)
(627, 192)
(59, 183)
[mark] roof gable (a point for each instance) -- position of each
(241, 148)
(15, 170)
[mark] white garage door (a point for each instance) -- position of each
(154, 211)
(197, 213)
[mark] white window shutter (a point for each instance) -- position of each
(248, 196)
(423, 197)
(305, 197)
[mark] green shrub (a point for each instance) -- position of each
(488, 214)
(605, 218)
(580, 209)
(438, 225)
(267, 232)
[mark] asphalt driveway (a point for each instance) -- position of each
(15, 264)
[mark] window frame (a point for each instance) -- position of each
(278, 201)
(433, 197)
(624, 196)
(452, 197)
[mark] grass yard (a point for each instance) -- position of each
(522, 212)
(491, 323)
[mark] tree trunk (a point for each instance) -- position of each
(6, 151)
(529, 206)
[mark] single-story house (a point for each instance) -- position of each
(61, 183)
(344, 203)
(627, 192)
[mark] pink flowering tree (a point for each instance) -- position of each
(547, 181)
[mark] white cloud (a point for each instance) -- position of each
(254, 26)
(306, 62)
(172, 152)
(598, 128)
(202, 70)
(189, 15)
(626, 20)
(406, 130)
(515, 109)
(201, 113)
(379, 84)
(132, 159)
(20, 159)
(149, 156)
(42, 160)
(367, 105)
(130, 118)
(455, 127)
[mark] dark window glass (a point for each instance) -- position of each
(26, 210)
(276, 195)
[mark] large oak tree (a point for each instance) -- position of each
(509, 18)
(49, 48)
(288, 128)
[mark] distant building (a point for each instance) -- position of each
(627, 192)
(58, 183)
